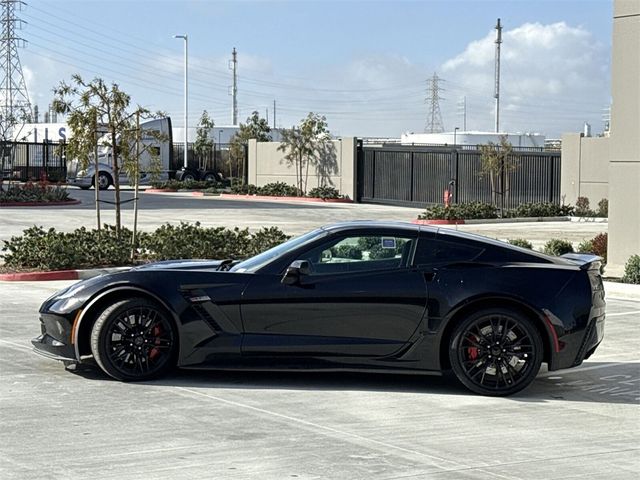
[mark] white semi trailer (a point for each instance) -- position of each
(85, 177)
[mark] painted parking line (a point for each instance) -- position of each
(572, 371)
(620, 314)
(16, 345)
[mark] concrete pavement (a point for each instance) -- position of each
(580, 423)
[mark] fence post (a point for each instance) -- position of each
(411, 192)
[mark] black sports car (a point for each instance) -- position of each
(365, 296)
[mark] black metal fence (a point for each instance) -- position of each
(33, 161)
(220, 158)
(415, 176)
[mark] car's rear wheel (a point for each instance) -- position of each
(496, 352)
(134, 339)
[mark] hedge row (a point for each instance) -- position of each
(33, 193)
(52, 250)
(281, 189)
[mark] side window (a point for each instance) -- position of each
(429, 252)
(360, 253)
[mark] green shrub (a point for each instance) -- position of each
(347, 251)
(582, 208)
(460, 211)
(557, 247)
(603, 208)
(632, 270)
(279, 189)
(324, 192)
(244, 189)
(187, 185)
(541, 209)
(585, 246)
(33, 193)
(43, 249)
(521, 242)
(266, 238)
(51, 250)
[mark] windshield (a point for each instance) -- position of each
(254, 263)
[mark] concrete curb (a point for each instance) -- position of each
(58, 275)
(40, 204)
(233, 196)
(589, 219)
(481, 221)
(160, 190)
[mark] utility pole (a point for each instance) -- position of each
(497, 75)
(462, 111)
(434, 117)
(15, 106)
(234, 88)
(274, 114)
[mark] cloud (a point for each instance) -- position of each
(553, 77)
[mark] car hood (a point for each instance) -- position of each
(182, 265)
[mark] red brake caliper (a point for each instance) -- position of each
(154, 352)
(473, 351)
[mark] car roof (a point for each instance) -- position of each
(359, 224)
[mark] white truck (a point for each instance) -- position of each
(85, 178)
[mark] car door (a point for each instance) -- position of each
(361, 298)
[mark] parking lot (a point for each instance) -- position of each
(580, 423)
(293, 218)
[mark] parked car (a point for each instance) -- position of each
(365, 296)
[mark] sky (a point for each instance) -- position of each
(363, 64)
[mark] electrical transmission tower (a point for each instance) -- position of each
(14, 98)
(434, 117)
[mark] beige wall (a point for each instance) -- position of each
(624, 167)
(266, 165)
(585, 168)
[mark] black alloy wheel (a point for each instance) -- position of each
(496, 352)
(134, 339)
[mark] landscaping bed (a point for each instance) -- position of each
(37, 194)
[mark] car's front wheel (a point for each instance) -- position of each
(496, 352)
(134, 339)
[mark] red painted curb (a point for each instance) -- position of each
(296, 199)
(40, 204)
(40, 276)
(160, 190)
(438, 222)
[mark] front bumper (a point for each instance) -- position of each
(55, 338)
(80, 181)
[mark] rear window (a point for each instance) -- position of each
(438, 252)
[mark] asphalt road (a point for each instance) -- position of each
(292, 218)
(581, 423)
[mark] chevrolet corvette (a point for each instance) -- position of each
(358, 296)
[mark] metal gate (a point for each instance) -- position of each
(418, 175)
(33, 161)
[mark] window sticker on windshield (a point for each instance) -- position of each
(388, 242)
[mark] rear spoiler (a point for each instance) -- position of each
(585, 261)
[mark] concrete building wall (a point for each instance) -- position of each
(624, 166)
(585, 168)
(266, 165)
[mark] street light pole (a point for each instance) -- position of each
(186, 96)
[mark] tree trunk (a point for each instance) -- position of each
(95, 181)
(116, 179)
(136, 190)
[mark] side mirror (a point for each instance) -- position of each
(296, 271)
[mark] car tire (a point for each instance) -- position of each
(210, 177)
(496, 352)
(104, 180)
(134, 340)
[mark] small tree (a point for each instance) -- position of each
(304, 145)
(94, 105)
(204, 143)
(497, 163)
(255, 128)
